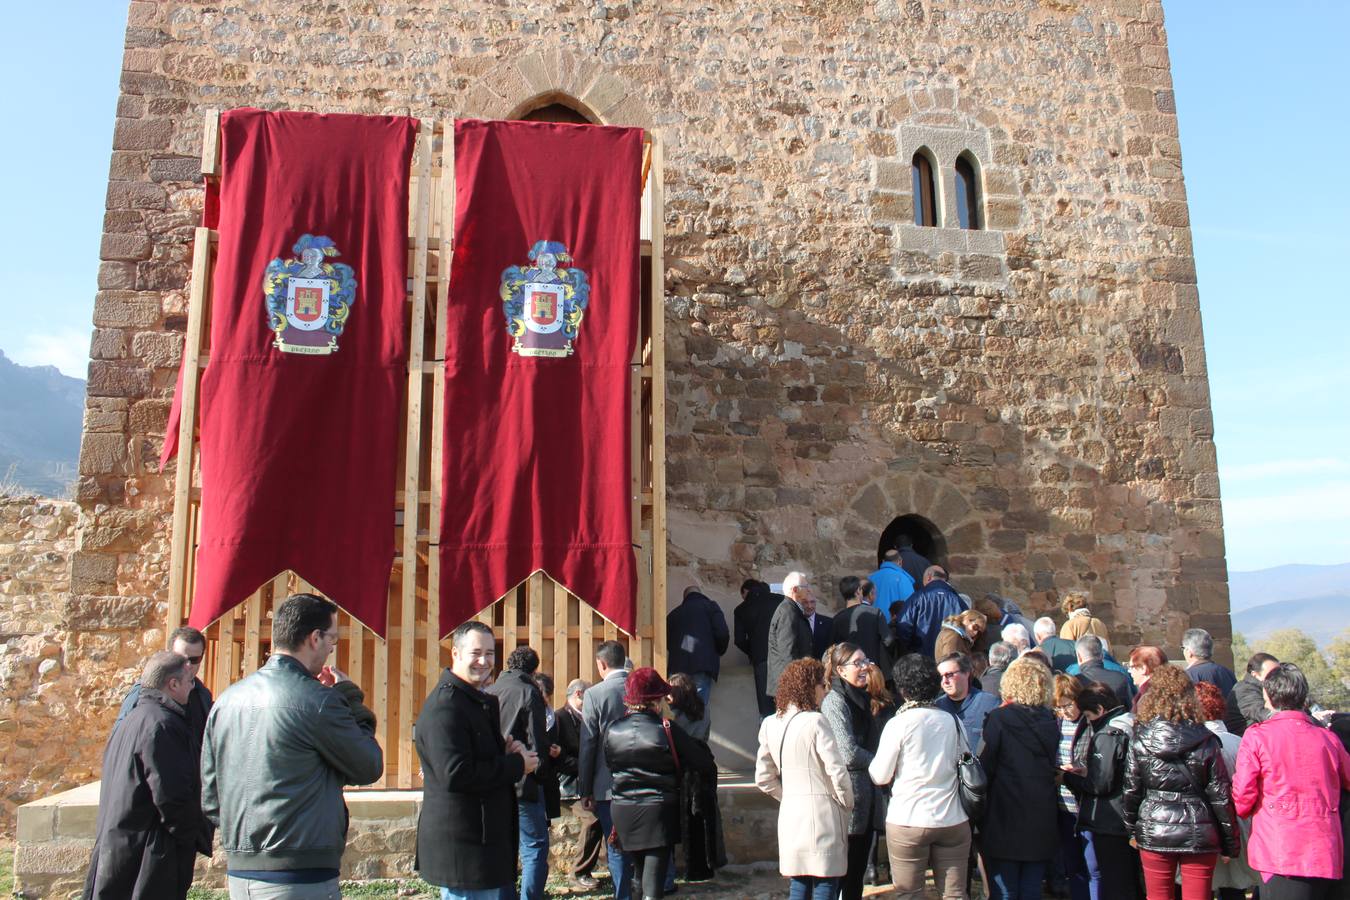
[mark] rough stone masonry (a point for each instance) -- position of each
(1036, 389)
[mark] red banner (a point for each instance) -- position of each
(542, 319)
(300, 400)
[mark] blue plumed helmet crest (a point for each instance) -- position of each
(558, 250)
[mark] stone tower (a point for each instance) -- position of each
(1026, 397)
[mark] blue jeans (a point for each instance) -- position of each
(480, 894)
(804, 887)
(533, 822)
(1015, 880)
(1094, 870)
(620, 868)
(1071, 852)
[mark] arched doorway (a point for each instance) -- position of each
(924, 535)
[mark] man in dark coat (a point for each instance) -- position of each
(150, 821)
(822, 626)
(1091, 667)
(863, 624)
(524, 718)
(696, 638)
(601, 707)
(1247, 700)
(911, 560)
(790, 634)
(751, 621)
(918, 626)
(466, 833)
(1197, 647)
(190, 643)
(567, 763)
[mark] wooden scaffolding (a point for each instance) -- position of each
(398, 672)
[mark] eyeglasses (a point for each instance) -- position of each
(858, 664)
(196, 660)
(1065, 707)
(949, 675)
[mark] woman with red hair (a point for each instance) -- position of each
(1144, 659)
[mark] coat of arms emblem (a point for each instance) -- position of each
(308, 299)
(544, 302)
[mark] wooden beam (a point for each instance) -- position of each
(211, 143)
(182, 541)
(658, 363)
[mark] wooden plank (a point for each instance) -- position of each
(211, 143)
(181, 541)
(509, 632)
(555, 600)
(356, 654)
(225, 665)
(380, 706)
(586, 649)
(658, 405)
(534, 612)
(412, 460)
(253, 631)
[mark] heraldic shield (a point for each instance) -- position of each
(544, 302)
(308, 299)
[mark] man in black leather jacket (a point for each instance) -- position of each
(524, 717)
(279, 746)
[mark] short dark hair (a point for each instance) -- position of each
(748, 585)
(188, 635)
(964, 662)
(545, 682)
(903, 542)
(612, 654)
(1286, 687)
(524, 659)
(1097, 697)
(865, 587)
(917, 679)
(299, 616)
(473, 626)
(684, 696)
(848, 586)
(161, 667)
(1258, 660)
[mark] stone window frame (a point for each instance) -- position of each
(893, 181)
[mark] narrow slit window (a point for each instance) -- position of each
(967, 194)
(925, 207)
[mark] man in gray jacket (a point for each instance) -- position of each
(602, 706)
(279, 746)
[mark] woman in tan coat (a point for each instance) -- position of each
(959, 633)
(1078, 620)
(801, 767)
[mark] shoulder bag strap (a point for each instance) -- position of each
(783, 743)
(670, 742)
(960, 734)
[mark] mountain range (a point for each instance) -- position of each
(1313, 599)
(41, 413)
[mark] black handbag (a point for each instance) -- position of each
(972, 785)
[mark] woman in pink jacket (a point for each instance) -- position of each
(1290, 774)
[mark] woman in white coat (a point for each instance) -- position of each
(801, 767)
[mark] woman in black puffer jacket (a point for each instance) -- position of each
(647, 756)
(1178, 802)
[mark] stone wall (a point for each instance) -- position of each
(1036, 390)
(56, 686)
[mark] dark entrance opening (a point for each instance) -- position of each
(923, 534)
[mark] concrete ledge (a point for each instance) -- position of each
(56, 836)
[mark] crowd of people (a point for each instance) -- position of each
(915, 732)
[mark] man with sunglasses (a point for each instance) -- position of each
(190, 643)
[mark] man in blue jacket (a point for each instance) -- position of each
(918, 626)
(893, 583)
(696, 637)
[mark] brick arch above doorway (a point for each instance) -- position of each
(515, 86)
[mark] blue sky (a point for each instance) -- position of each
(1262, 98)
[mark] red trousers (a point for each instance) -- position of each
(1160, 874)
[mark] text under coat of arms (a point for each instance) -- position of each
(308, 298)
(544, 302)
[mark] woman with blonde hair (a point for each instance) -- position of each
(1078, 620)
(1019, 834)
(959, 633)
(800, 766)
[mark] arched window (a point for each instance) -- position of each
(556, 112)
(967, 193)
(925, 197)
